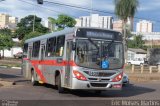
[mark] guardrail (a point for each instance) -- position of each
(145, 68)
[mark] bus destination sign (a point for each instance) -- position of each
(99, 34)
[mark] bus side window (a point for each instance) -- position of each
(36, 47)
(60, 45)
(25, 50)
(51, 46)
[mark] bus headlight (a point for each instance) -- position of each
(79, 75)
(118, 77)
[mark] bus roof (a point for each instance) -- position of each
(62, 32)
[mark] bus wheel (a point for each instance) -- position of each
(33, 81)
(60, 88)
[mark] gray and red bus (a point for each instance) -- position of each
(76, 58)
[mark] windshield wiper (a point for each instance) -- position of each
(109, 45)
(93, 43)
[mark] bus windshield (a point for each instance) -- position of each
(96, 53)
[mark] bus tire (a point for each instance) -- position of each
(33, 81)
(60, 88)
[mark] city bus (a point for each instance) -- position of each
(76, 58)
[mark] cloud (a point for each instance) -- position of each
(26, 7)
(21, 8)
(149, 5)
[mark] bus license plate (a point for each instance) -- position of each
(93, 73)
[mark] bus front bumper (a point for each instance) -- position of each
(87, 85)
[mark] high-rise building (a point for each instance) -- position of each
(13, 20)
(94, 20)
(4, 20)
(118, 25)
(48, 25)
(144, 26)
(12, 23)
(7, 21)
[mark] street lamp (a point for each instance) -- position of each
(40, 1)
(33, 22)
(2, 0)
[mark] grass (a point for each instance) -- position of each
(10, 62)
(11, 65)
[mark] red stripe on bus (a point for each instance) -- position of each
(35, 64)
(25, 59)
(53, 62)
(39, 72)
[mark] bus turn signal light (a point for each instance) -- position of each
(117, 77)
(79, 75)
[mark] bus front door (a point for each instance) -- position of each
(67, 67)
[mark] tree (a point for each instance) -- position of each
(53, 22)
(6, 31)
(5, 42)
(65, 21)
(30, 35)
(25, 26)
(137, 42)
(125, 9)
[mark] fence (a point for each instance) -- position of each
(145, 68)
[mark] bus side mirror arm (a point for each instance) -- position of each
(73, 46)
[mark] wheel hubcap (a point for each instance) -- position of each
(32, 79)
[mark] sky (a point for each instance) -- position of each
(148, 9)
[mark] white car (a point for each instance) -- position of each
(136, 61)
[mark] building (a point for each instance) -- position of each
(151, 38)
(13, 21)
(118, 25)
(14, 50)
(7, 21)
(144, 26)
(48, 25)
(10, 53)
(94, 20)
(136, 53)
(4, 20)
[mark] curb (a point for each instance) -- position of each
(16, 67)
(6, 83)
(3, 66)
(10, 67)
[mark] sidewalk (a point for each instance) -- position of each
(4, 83)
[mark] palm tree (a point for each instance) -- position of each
(125, 9)
(53, 22)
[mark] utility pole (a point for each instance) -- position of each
(33, 23)
(91, 13)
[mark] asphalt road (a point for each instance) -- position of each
(23, 90)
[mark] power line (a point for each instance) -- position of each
(90, 9)
(51, 9)
(45, 8)
(82, 8)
